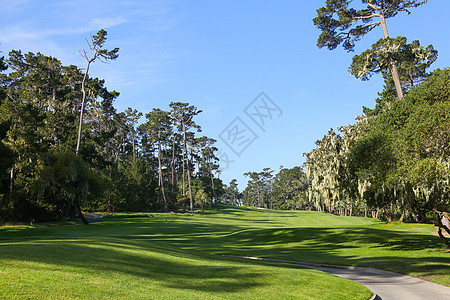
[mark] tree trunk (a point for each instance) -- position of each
(259, 199)
(83, 219)
(54, 87)
(392, 64)
(160, 182)
(212, 185)
(442, 218)
(388, 216)
(134, 147)
(184, 161)
(110, 209)
(443, 238)
(153, 160)
(183, 171)
(11, 180)
(402, 216)
(53, 110)
(83, 100)
(191, 200)
(173, 165)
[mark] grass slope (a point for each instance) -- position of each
(412, 249)
(143, 258)
(178, 256)
(112, 268)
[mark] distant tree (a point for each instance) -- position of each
(234, 191)
(322, 168)
(232, 194)
(133, 116)
(98, 53)
(289, 189)
(7, 156)
(159, 129)
(259, 186)
(341, 23)
(352, 190)
(183, 115)
(24, 138)
(209, 161)
(202, 198)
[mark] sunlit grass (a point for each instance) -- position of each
(180, 256)
(141, 258)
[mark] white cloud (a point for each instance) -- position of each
(58, 29)
(23, 31)
(99, 23)
(15, 6)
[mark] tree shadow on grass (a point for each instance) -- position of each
(170, 268)
(397, 251)
(394, 250)
(388, 249)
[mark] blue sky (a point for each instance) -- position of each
(219, 56)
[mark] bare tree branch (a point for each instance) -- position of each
(370, 24)
(368, 17)
(374, 7)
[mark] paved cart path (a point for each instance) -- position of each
(386, 285)
(93, 218)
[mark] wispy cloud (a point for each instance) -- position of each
(30, 32)
(15, 6)
(147, 56)
(107, 22)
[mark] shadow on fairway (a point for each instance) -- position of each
(398, 251)
(190, 237)
(169, 267)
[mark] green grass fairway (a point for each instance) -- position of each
(171, 256)
(412, 249)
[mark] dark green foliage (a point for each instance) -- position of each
(231, 194)
(65, 181)
(285, 190)
(412, 60)
(404, 151)
(436, 89)
(342, 24)
(259, 186)
(394, 162)
(116, 169)
(6, 154)
(96, 45)
(289, 189)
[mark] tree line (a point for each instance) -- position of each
(65, 147)
(285, 190)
